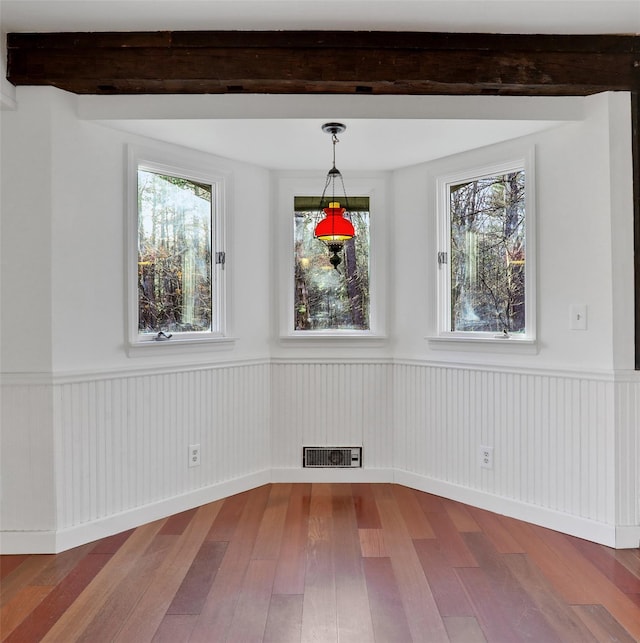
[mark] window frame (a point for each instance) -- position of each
(191, 167)
(525, 162)
(374, 187)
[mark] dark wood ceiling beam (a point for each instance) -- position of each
(325, 62)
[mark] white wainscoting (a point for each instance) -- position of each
(554, 435)
(121, 446)
(566, 445)
(26, 456)
(628, 458)
(332, 404)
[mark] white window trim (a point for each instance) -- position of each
(192, 166)
(374, 187)
(460, 339)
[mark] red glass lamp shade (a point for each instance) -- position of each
(334, 228)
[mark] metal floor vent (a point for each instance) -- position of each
(331, 457)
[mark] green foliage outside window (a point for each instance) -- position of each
(174, 254)
(325, 298)
(487, 219)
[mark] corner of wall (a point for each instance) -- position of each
(622, 217)
(7, 90)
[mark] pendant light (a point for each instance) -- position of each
(334, 229)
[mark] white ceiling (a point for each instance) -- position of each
(297, 142)
(300, 144)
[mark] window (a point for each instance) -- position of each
(175, 235)
(486, 254)
(328, 299)
(336, 313)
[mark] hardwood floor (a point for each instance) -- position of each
(326, 562)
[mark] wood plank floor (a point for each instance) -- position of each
(326, 562)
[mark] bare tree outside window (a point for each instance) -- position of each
(174, 254)
(487, 232)
(326, 298)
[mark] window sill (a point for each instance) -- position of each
(497, 343)
(177, 345)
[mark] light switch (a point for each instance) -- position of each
(578, 317)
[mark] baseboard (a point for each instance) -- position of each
(597, 532)
(52, 542)
(337, 474)
(28, 542)
(628, 537)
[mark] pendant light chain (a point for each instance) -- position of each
(335, 228)
(334, 140)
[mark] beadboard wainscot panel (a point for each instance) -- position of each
(628, 459)
(553, 435)
(123, 438)
(106, 452)
(332, 403)
(27, 507)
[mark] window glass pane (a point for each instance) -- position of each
(174, 254)
(487, 219)
(326, 298)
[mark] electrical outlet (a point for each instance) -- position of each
(486, 457)
(194, 455)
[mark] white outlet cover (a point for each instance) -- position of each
(486, 457)
(194, 455)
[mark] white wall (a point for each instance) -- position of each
(94, 441)
(561, 420)
(556, 417)
(64, 182)
(89, 434)
(575, 216)
(26, 238)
